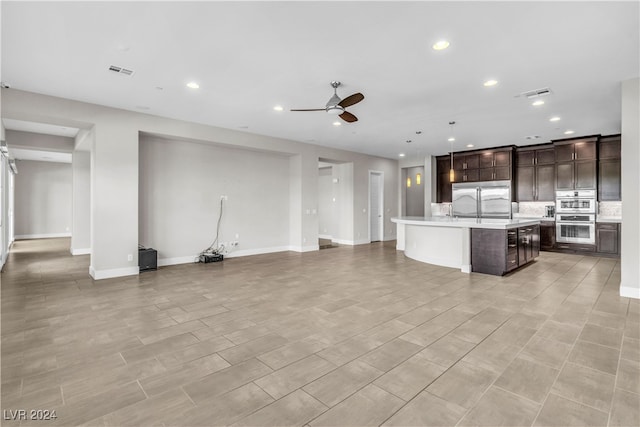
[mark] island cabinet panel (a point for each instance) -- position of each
(498, 252)
(528, 244)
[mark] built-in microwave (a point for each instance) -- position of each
(580, 201)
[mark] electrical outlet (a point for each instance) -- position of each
(130, 257)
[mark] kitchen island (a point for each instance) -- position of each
(450, 242)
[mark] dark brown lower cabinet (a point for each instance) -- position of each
(498, 252)
(528, 244)
(547, 235)
(607, 238)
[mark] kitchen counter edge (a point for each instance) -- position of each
(486, 223)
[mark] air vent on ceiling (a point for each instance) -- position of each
(535, 93)
(532, 137)
(121, 70)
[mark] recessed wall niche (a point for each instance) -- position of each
(413, 191)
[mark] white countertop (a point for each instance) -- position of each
(613, 219)
(539, 218)
(447, 221)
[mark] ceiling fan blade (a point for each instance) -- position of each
(351, 100)
(313, 109)
(348, 117)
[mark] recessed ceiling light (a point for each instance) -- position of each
(554, 119)
(569, 132)
(418, 132)
(193, 85)
(440, 45)
(401, 155)
(408, 141)
(451, 139)
(337, 123)
(537, 103)
(490, 83)
(470, 145)
(278, 108)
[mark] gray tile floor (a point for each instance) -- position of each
(353, 336)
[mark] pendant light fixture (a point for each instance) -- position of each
(452, 174)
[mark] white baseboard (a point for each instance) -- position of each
(83, 251)
(343, 242)
(309, 248)
(630, 292)
(114, 272)
(362, 242)
(325, 236)
(41, 236)
(260, 251)
(162, 262)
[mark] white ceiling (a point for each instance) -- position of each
(250, 56)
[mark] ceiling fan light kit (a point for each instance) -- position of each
(336, 106)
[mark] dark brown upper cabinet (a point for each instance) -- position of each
(580, 149)
(535, 174)
(576, 163)
(609, 173)
(463, 161)
(443, 193)
(495, 165)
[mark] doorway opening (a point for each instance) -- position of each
(376, 206)
(335, 203)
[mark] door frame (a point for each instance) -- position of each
(380, 204)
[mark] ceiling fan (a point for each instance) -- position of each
(336, 106)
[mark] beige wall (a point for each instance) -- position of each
(114, 174)
(181, 184)
(630, 244)
(42, 199)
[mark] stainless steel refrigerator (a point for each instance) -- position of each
(487, 199)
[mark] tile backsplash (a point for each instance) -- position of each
(440, 209)
(534, 209)
(610, 209)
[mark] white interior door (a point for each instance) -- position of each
(376, 206)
